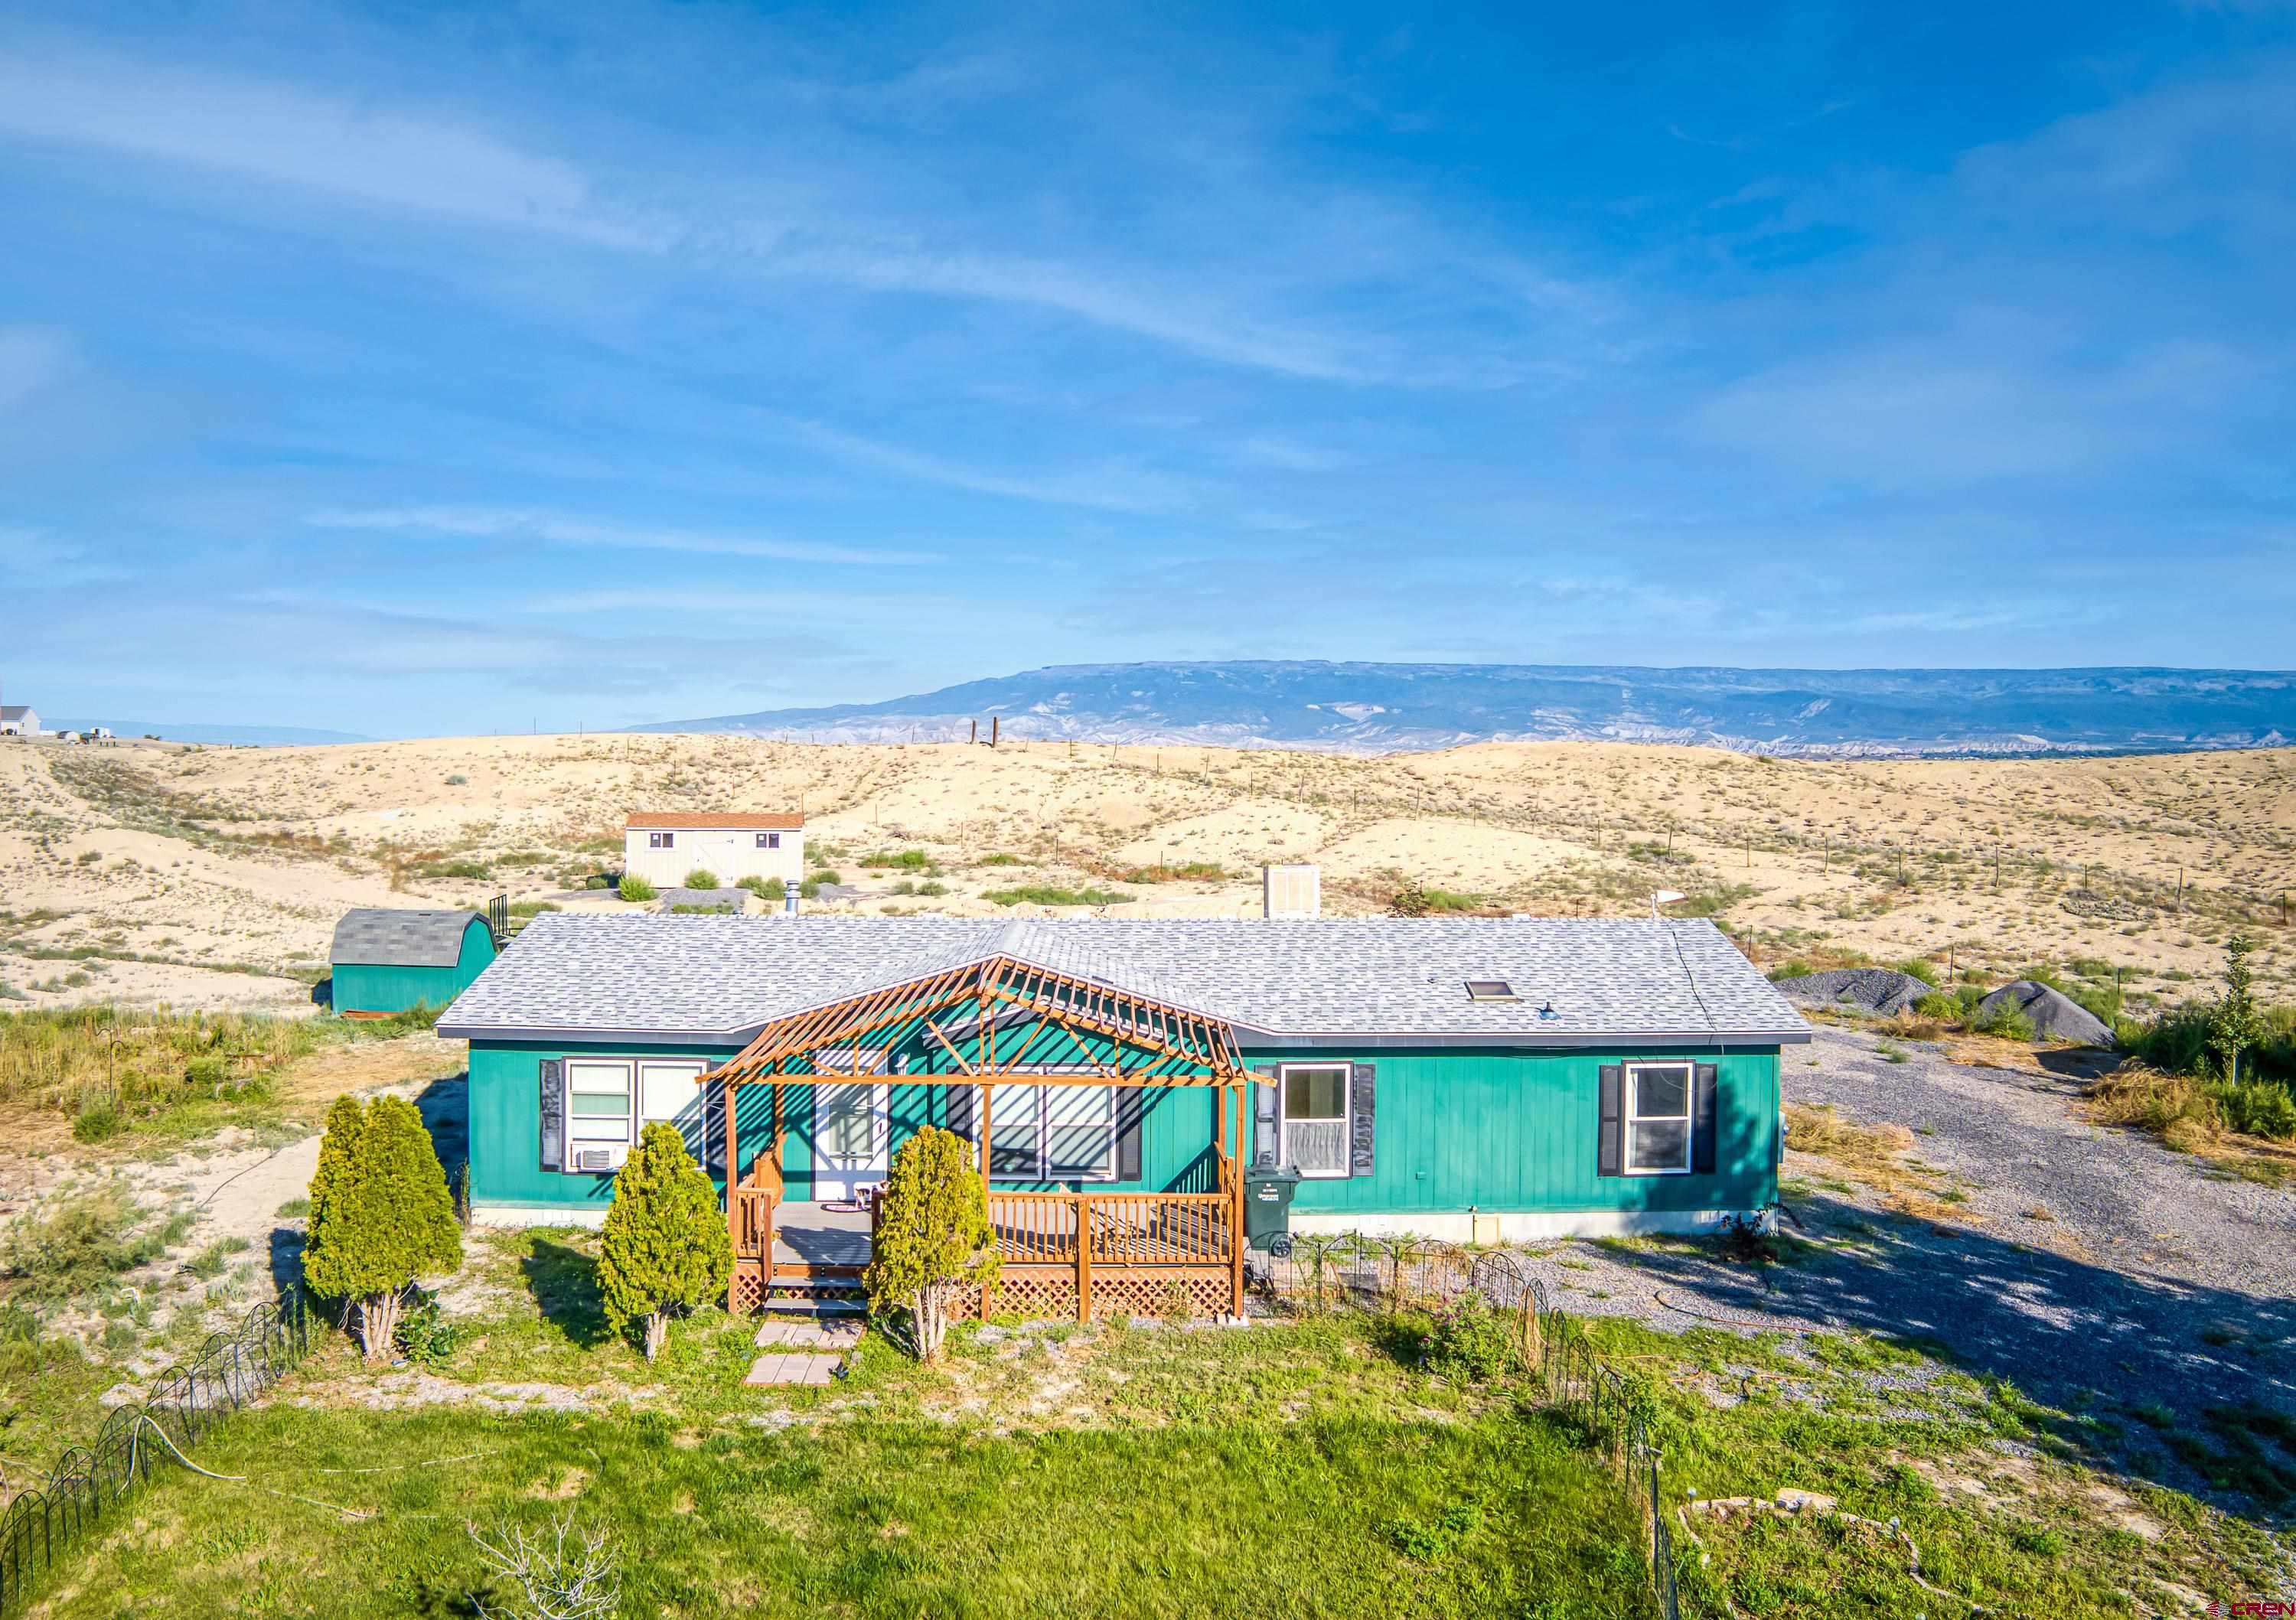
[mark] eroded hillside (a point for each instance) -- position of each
(151, 872)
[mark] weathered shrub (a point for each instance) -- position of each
(1472, 1341)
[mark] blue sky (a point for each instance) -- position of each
(414, 371)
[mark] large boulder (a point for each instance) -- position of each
(2053, 1015)
(1881, 991)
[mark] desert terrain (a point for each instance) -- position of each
(205, 877)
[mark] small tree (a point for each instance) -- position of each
(664, 1248)
(2234, 1024)
(934, 1240)
(380, 1215)
(337, 1149)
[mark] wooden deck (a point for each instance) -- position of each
(1086, 1254)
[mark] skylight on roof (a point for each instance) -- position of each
(1489, 990)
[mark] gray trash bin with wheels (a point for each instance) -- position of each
(1268, 1191)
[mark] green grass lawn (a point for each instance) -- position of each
(1307, 1469)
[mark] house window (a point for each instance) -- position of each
(1316, 1118)
(1052, 1133)
(666, 1090)
(1658, 1118)
(598, 1099)
(662, 840)
(769, 840)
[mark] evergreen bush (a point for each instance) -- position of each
(633, 888)
(701, 876)
(381, 1214)
(934, 1240)
(665, 1249)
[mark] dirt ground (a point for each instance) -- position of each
(233, 1186)
(214, 877)
(2104, 1274)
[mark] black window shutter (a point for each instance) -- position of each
(1703, 1115)
(553, 1113)
(1362, 1081)
(713, 1127)
(960, 1111)
(1266, 1116)
(1609, 1150)
(1129, 1113)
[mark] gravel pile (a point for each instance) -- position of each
(733, 900)
(2053, 1015)
(1876, 990)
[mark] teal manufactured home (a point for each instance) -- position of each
(386, 961)
(1479, 1079)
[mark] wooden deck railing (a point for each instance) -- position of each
(753, 1201)
(1166, 1234)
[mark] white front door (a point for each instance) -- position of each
(851, 1128)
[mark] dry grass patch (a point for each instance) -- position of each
(1874, 1157)
(2179, 1110)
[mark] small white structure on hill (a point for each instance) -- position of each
(662, 845)
(18, 720)
(1292, 890)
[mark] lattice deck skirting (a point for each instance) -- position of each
(1032, 1292)
(1160, 1291)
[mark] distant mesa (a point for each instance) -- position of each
(1375, 708)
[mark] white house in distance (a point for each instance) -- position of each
(662, 845)
(18, 720)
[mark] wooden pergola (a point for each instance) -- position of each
(1061, 1027)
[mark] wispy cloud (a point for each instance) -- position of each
(431, 160)
(440, 161)
(31, 357)
(492, 523)
(31, 560)
(1113, 486)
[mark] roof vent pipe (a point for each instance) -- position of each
(789, 900)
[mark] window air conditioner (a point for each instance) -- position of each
(600, 1157)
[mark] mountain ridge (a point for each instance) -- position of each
(1365, 707)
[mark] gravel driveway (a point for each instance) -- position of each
(2152, 1282)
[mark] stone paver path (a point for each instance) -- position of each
(802, 1350)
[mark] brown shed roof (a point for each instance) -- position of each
(681, 821)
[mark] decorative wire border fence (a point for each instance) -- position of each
(1357, 1272)
(39, 1521)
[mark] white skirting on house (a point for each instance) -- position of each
(1491, 1226)
(538, 1214)
(1486, 1226)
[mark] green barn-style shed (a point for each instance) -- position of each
(1475, 1079)
(388, 962)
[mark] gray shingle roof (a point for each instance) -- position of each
(717, 978)
(401, 939)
